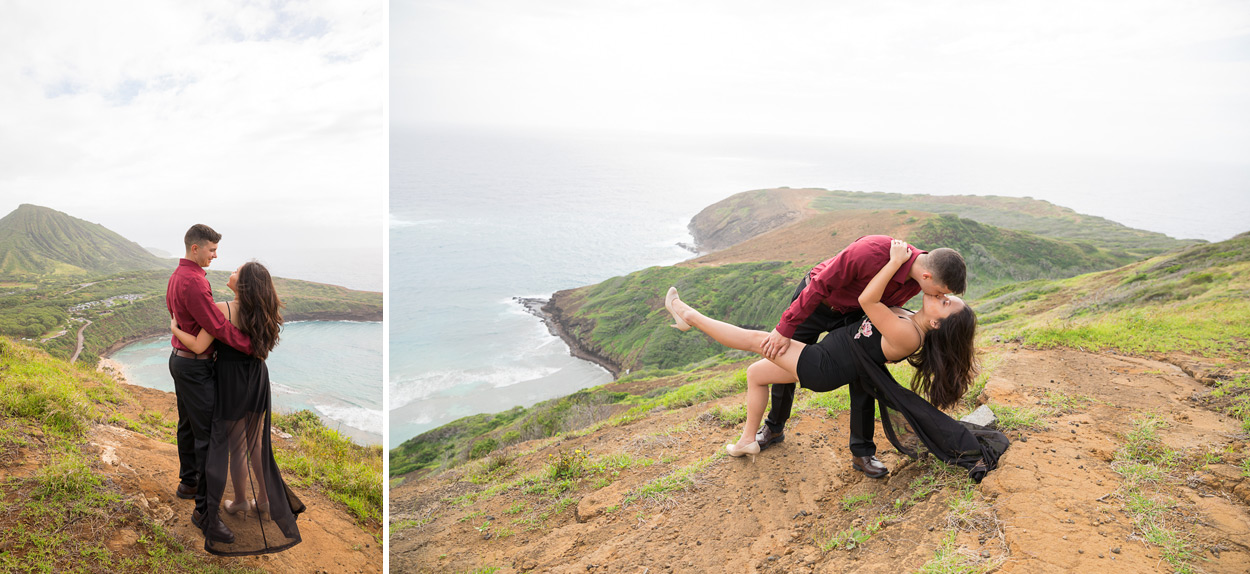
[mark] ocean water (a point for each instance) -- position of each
(333, 368)
(480, 217)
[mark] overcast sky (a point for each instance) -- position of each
(263, 120)
(1151, 79)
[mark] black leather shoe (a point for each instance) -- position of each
(869, 465)
(216, 532)
(186, 492)
(765, 436)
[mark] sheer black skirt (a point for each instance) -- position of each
(245, 486)
(924, 427)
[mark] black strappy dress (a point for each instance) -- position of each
(853, 355)
(920, 424)
(240, 432)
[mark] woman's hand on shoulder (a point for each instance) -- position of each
(899, 251)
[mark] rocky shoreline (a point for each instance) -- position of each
(550, 315)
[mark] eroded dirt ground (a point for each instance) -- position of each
(146, 470)
(1055, 504)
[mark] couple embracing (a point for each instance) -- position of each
(856, 299)
(223, 404)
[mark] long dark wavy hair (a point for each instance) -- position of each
(946, 363)
(260, 315)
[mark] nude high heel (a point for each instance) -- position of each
(751, 449)
(681, 324)
(235, 506)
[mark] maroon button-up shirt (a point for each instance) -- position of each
(837, 282)
(190, 302)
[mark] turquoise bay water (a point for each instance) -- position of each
(478, 218)
(333, 368)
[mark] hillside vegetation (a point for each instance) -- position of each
(131, 305)
(38, 242)
(1018, 213)
(1195, 302)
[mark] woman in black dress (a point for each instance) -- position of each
(262, 512)
(945, 364)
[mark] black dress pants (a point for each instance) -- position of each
(196, 389)
(863, 406)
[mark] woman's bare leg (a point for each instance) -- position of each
(256, 449)
(238, 462)
(760, 375)
(731, 336)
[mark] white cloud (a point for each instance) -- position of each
(147, 116)
(1164, 79)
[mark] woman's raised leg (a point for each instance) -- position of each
(731, 336)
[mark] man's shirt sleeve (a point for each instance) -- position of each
(837, 275)
(198, 300)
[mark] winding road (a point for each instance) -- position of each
(79, 349)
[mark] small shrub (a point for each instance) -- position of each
(567, 465)
(483, 447)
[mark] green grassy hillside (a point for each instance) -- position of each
(38, 241)
(997, 256)
(1021, 214)
(623, 321)
(131, 305)
(1196, 301)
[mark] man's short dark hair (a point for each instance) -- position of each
(947, 267)
(199, 234)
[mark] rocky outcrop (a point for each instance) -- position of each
(556, 316)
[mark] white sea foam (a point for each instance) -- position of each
(367, 420)
(283, 389)
(397, 223)
(409, 390)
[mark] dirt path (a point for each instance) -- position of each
(1054, 504)
(146, 470)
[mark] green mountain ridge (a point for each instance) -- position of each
(75, 273)
(39, 241)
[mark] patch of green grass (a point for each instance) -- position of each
(834, 402)
(1146, 465)
(1056, 402)
(1018, 418)
(406, 524)
(345, 471)
(845, 540)
(676, 481)
(518, 507)
(1233, 397)
(851, 501)
(566, 465)
(948, 560)
(1143, 445)
(728, 417)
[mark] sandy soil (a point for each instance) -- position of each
(1054, 504)
(146, 470)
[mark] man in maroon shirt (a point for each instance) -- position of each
(828, 298)
(190, 301)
